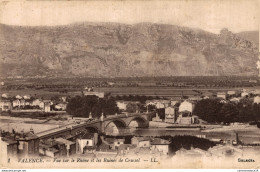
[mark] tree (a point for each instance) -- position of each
(131, 107)
(208, 109)
(228, 113)
(151, 108)
(81, 106)
(256, 111)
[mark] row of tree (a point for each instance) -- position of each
(187, 142)
(141, 99)
(214, 111)
(82, 106)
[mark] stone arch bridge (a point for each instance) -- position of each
(121, 121)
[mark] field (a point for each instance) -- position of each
(167, 92)
(158, 86)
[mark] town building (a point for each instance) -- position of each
(187, 120)
(185, 116)
(47, 106)
(38, 103)
(94, 93)
(161, 145)
(159, 104)
(22, 103)
(141, 141)
(125, 149)
(58, 147)
(257, 91)
(86, 143)
(70, 146)
(122, 105)
(222, 95)
(26, 97)
(231, 93)
(61, 106)
(5, 105)
(244, 94)
(257, 99)
(9, 147)
(186, 108)
(18, 97)
(169, 115)
(117, 143)
(4, 95)
(28, 144)
(235, 99)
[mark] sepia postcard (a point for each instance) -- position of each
(139, 84)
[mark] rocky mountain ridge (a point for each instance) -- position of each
(120, 50)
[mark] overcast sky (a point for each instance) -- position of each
(210, 15)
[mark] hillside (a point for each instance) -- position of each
(111, 49)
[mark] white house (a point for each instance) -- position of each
(186, 106)
(5, 105)
(231, 92)
(158, 103)
(61, 106)
(4, 95)
(18, 97)
(47, 107)
(94, 93)
(257, 99)
(38, 102)
(26, 97)
(221, 95)
(85, 144)
(235, 100)
(22, 102)
(121, 105)
(16, 103)
(169, 115)
(244, 94)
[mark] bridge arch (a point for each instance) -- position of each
(141, 121)
(115, 126)
(92, 129)
(118, 122)
(84, 129)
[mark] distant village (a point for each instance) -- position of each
(26, 103)
(177, 111)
